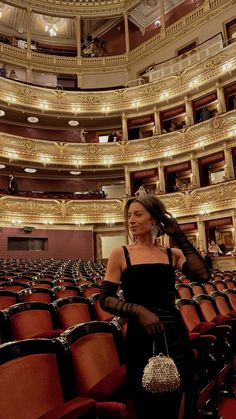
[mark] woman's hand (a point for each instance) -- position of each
(168, 224)
(149, 320)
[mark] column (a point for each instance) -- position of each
(234, 229)
(126, 21)
(124, 127)
(29, 75)
(157, 121)
(161, 177)
(189, 111)
(229, 165)
(29, 15)
(162, 19)
(201, 234)
(195, 172)
(127, 182)
(221, 98)
(78, 35)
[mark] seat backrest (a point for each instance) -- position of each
(29, 320)
(220, 285)
(30, 378)
(36, 294)
(230, 283)
(231, 294)
(66, 291)
(8, 298)
(96, 351)
(183, 291)
(87, 291)
(205, 303)
(209, 287)
(99, 313)
(73, 310)
(188, 313)
(15, 286)
(196, 288)
(221, 302)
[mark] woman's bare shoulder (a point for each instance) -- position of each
(117, 252)
(176, 251)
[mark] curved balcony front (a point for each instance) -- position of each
(212, 200)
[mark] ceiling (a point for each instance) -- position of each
(14, 21)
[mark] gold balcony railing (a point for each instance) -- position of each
(24, 211)
(210, 135)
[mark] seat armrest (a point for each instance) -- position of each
(112, 385)
(79, 407)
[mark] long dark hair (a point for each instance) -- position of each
(152, 204)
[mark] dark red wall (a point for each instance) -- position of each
(62, 244)
(67, 135)
(50, 185)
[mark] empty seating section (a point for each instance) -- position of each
(57, 302)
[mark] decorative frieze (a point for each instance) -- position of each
(194, 139)
(211, 199)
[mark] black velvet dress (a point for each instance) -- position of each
(153, 286)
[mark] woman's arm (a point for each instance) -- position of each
(189, 260)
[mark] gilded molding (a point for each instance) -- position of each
(212, 199)
(194, 139)
(122, 100)
(82, 8)
(15, 209)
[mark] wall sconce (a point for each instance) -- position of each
(108, 162)
(204, 213)
(111, 223)
(139, 160)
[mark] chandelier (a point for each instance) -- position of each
(51, 24)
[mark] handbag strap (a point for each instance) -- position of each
(154, 345)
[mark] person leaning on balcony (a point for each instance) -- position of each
(12, 186)
(214, 249)
(3, 71)
(141, 191)
(205, 114)
(12, 74)
(83, 133)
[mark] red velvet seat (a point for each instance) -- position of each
(36, 294)
(66, 291)
(96, 351)
(34, 382)
(8, 298)
(73, 310)
(31, 320)
(15, 285)
(183, 291)
(209, 310)
(231, 295)
(100, 314)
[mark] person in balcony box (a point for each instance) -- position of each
(12, 186)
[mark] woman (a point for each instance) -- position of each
(214, 249)
(141, 191)
(146, 272)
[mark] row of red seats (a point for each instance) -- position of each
(26, 320)
(79, 375)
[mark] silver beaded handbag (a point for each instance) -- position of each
(161, 374)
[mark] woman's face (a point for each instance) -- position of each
(139, 220)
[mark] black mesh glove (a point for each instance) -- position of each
(110, 302)
(195, 266)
